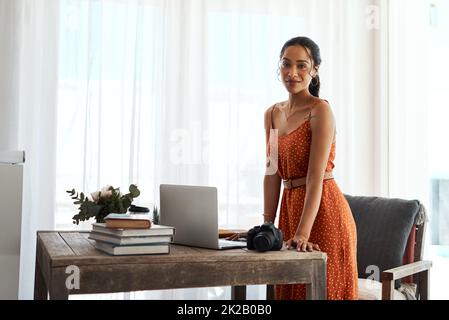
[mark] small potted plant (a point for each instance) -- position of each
(155, 215)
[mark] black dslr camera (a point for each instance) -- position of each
(263, 238)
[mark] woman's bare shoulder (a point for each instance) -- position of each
(321, 108)
(322, 116)
(275, 106)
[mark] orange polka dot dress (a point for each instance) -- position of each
(334, 228)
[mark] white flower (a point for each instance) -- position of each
(106, 192)
(106, 195)
(95, 196)
(106, 188)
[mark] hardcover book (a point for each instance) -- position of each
(114, 239)
(116, 250)
(126, 220)
(155, 230)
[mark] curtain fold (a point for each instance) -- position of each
(409, 99)
(37, 127)
(28, 100)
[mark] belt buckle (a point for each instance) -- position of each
(288, 184)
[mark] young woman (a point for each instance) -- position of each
(314, 213)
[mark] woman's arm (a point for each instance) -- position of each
(271, 192)
(272, 180)
(323, 128)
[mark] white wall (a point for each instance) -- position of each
(8, 78)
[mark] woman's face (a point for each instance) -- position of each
(297, 69)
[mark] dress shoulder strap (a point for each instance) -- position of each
(310, 114)
(313, 106)
(311, 109)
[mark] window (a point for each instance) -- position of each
(136, 87)
(438, 152)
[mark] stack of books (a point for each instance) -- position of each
(131, 235)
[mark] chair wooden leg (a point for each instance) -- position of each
(387, 289)
(270, 292)
(423, 285)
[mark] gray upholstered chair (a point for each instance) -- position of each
(390, 238)
(390, 242)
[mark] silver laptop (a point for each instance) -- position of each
(193, 211)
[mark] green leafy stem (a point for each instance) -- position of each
(114, 202)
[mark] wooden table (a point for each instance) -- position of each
(58, 254)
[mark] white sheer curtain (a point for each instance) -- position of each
(409, 100)
(28, 77)
(409, 32)
(157, 92)
(174, 91)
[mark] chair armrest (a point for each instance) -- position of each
(406, 270)
(389, 276)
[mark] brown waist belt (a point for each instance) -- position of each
(295, 183)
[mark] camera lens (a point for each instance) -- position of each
(263, 241)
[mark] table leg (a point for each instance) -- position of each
(40, 288)
(238, 292)
(317, 289)
(58, 289)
